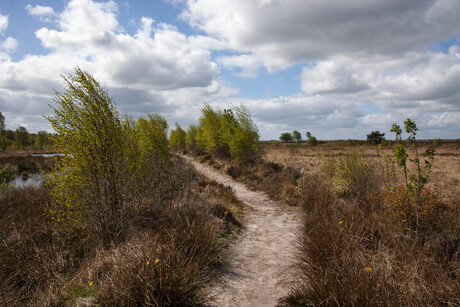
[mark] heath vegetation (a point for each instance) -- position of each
(119, 221)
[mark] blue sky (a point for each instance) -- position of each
(337, 68)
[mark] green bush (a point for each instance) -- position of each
(228, 134)
(177, 138)
(352, 174)
(286, 137)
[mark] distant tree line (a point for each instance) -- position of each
(296, 136)
(23, 139)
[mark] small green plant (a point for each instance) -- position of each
(437, 142)
(414, 180)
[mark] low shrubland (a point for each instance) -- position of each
(119, 221)
(169, 252)
(360, 245)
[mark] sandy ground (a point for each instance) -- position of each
(261, 256)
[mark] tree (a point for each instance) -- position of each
(21, 137)
(42, 139)
(2, 132)
(297, 136)
(177, 138)
(286, 137)
(375, 137)
(91, 183)
(312, 141)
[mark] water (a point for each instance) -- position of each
(45, 155)
(34, 180)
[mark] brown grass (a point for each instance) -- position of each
(358, 252)
(185, 227)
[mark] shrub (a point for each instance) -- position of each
(312, 141)
(241, 135)
(177, 138)
(437, 142)
(229, 134)
(353, 175)
(296, 136)
(286, 137)
(6, 174)
(90, 185)
(375, 137)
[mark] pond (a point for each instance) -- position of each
(34, 180)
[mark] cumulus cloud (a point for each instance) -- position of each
(428, 80)
(44, 12)
(250, 64)
(284, 32)
(3, 23)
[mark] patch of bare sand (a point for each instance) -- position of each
(261, 257)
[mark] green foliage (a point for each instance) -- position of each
(312, 141)
(437, 142)
(352, 174)
(153, 140)
(42, 140)
(414, 180)
(6, 174)
(228, 133)
(286, 137)
(375, 137)
(296, 136)
(3, 142)
(242, 136)
(211, 135)
(21, 137)
(177, 138)
(90, 185)
(192, 139)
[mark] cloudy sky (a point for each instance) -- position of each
(337, 68)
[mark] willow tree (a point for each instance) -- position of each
(91, 183)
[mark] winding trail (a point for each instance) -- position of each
(261, 257)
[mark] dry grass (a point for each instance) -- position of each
(356, 251)
(446, 166)
(185, 227)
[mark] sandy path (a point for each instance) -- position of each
(261, 258)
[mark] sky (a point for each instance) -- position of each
(337, 68)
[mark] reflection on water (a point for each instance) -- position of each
(34, 180)
(45, 155)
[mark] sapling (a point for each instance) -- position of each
(414, 181)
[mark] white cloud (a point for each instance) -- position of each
(158, 69)
(284, 32)
(426, 80)
(250, 64)
(9, 44)
(3, 23)
(44, 12)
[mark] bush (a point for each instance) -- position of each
(286, 137)
(92, 183)
(375, 137)
(177, 138)
(353, 175)
(229, 134)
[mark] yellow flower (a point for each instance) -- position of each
(341, 222)
(369, 269)
(90, 284)
(225, 212)
(231, 234)
(156, 260)
(148, 262)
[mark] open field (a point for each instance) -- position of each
(445, 173)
